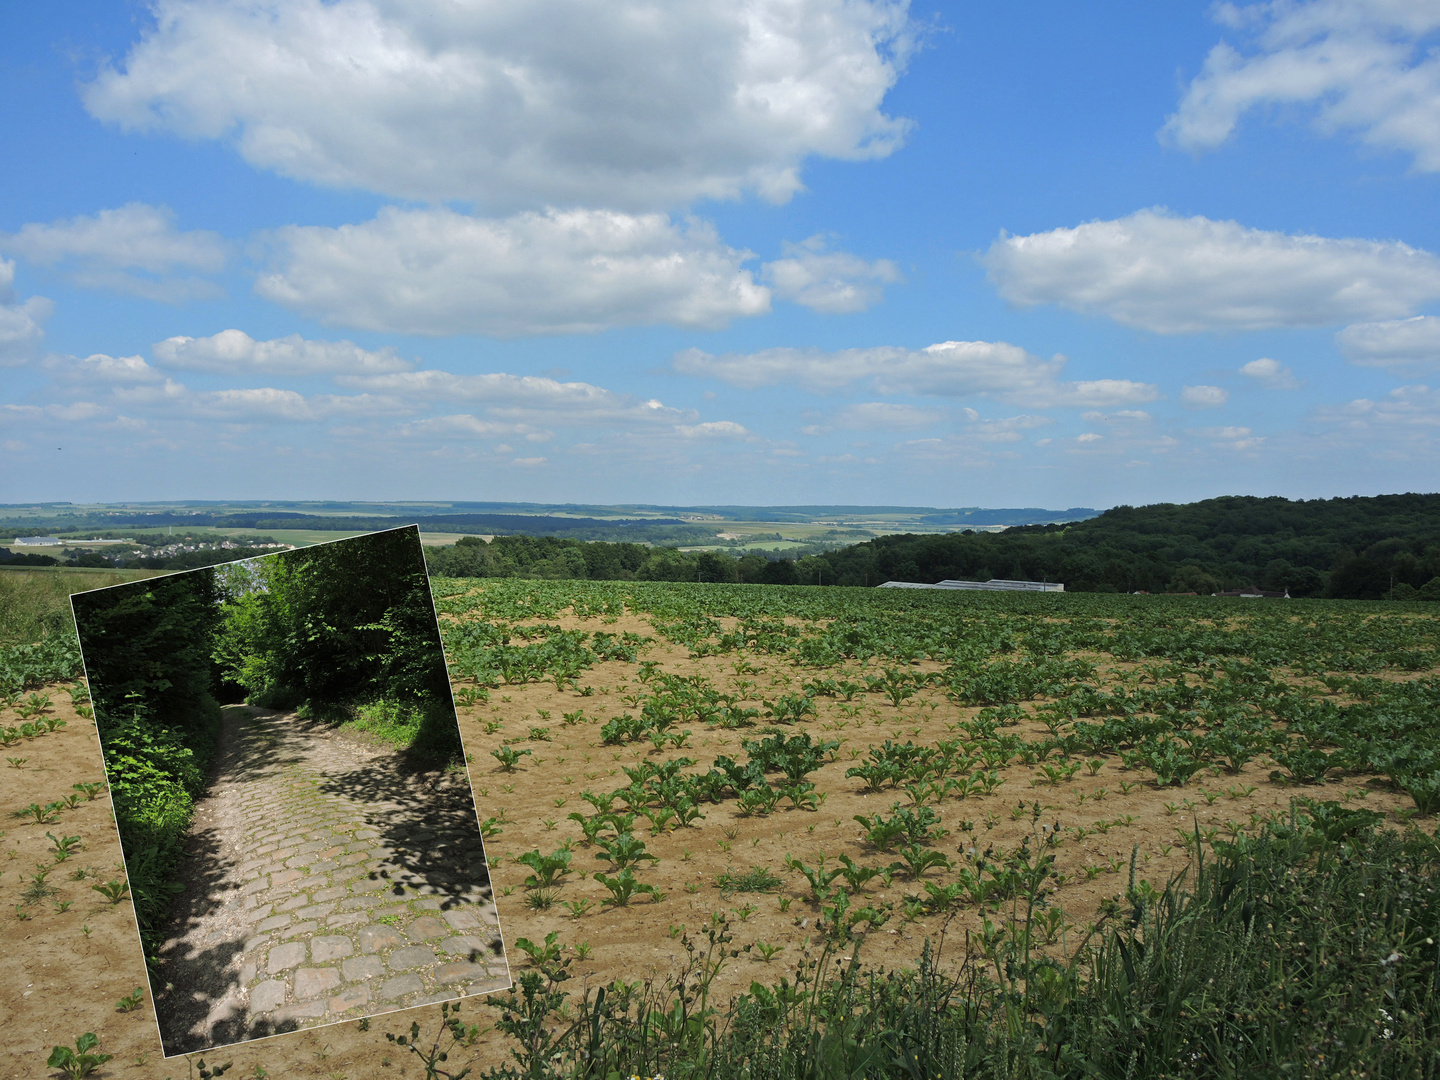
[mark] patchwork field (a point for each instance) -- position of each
(772, 775)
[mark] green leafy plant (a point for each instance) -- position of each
(81, 1061)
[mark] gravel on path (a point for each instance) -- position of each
(323, 881)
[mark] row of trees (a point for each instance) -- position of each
(1357, 548)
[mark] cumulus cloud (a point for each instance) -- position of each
(576, 271)
(1155, 271)
(1403, 346)
(1404, 423)
(522, 396)
(884, 415)
(133, 249)
(1230, 438)
(557, 102)
(1270, 373)
(466, 426)
(712, 429)
(234, 352)
(1117, 416)
(22, 323)
(1360, 65)
(832, 282)
(102, 369)
(947, 369)
(174, 400)
(1204, 397)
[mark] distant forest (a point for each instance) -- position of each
(1357, 548)
(644, 530)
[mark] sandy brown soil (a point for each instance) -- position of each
(60, 982)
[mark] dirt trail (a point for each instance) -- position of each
(323, 881)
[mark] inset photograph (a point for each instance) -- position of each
(300, 835)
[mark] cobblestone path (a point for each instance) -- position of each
(323, 882)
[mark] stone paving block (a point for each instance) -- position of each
(330, 947)
(348, 874)
(308, 1010)
(377, 938)
(357, 902)
(284, 877)
(314, 911)
(247, 974)
(323, 866)
(463, 946)
(255, 942)
(352, 997)
(274, 922)
(267, 996)
(310, 982)
(425, 928)
(354, 857)
(399, 986)
(298, 900)
(258, 885)
(348, 918)
(359, 968)
(431, 999)
(307, 927)
(462, 919)
(412, 956)
(460, 971)
(285, 956)
(333, 892)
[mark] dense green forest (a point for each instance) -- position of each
(1355, 548)
(344, 632)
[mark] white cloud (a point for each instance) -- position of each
(174, 400)
(884, 415)
(577, 271)
(234, 352)
(832, 282)
(556, 102)
(1405, 424)
(1155, 271)
(100, 368)
(1270, 373)
(1118, 416)
(1204, 397)
(465, 426)
(107, 249)
(22, 325)
(1364, 66)
(712, 429)
(1403, 346)
(948, 369)
(1230, 438)
(522, 396)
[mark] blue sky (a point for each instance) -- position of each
(784, 251)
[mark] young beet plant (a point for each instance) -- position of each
(80, 1061)
(508, 757)
(625, 885)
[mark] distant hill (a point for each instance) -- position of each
(1359, 547)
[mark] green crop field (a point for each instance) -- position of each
(794, 831)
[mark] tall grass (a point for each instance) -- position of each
(1307, 949)
(426, 731)
(35, 601)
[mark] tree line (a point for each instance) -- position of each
(1352, 548)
